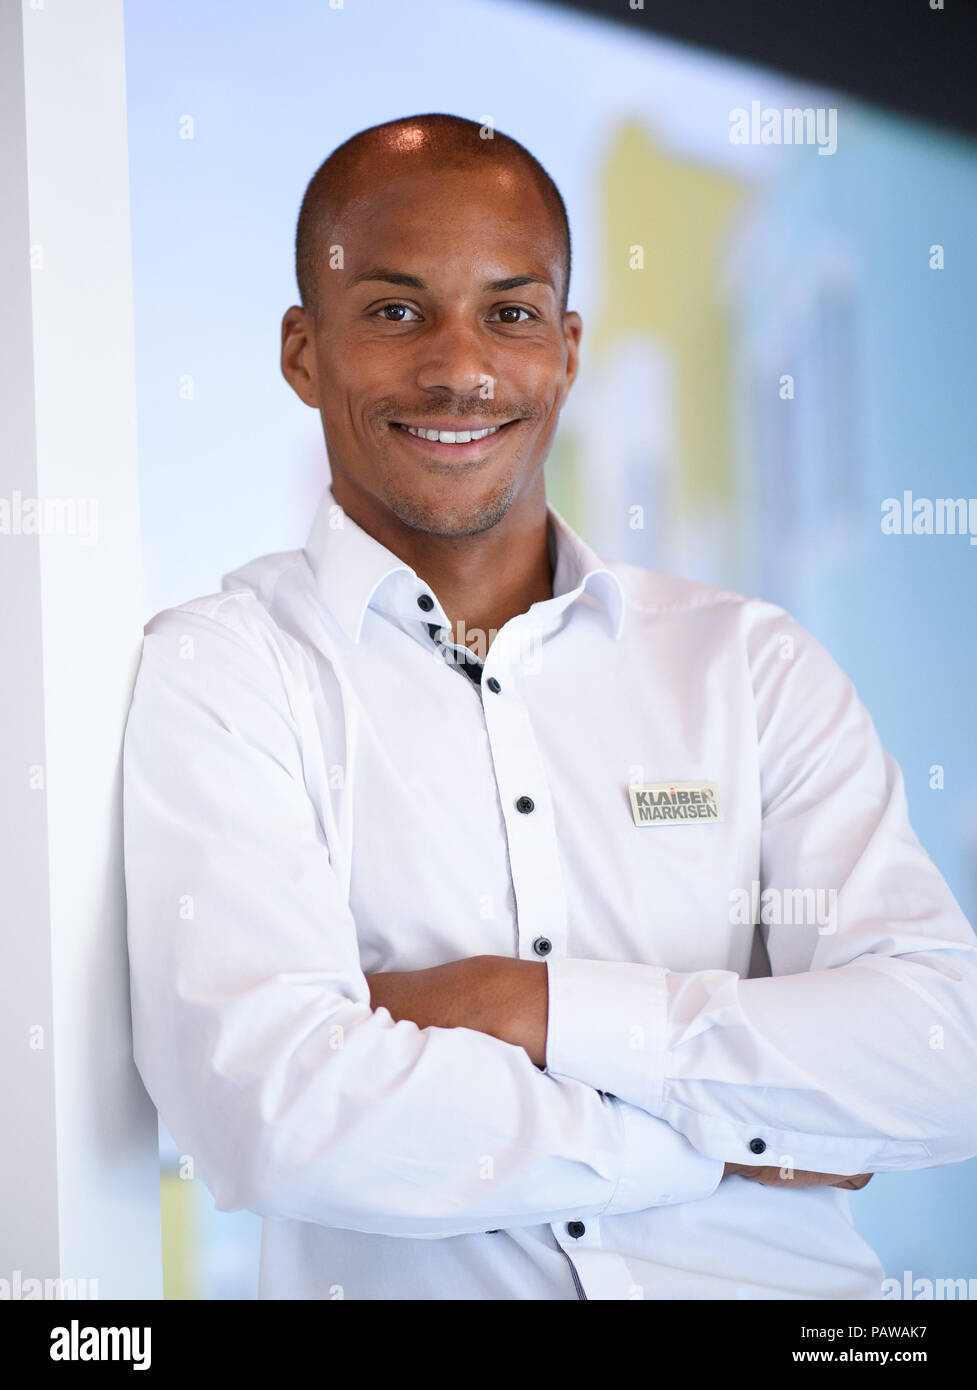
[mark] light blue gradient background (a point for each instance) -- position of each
(235, 472)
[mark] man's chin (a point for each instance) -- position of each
(440, 516)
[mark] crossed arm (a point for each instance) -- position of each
(858, 1053)
(508, 999)
(858, 1050)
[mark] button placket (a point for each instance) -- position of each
(524, 796)
(601, 1274)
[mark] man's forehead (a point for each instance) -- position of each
(413, 227)
(424, 191)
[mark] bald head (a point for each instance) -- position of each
(433, 141)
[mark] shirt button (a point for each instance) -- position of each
(575, 1229)
(542, 945)
(493, 685)
(525, 804)
(426, 602)
(757, 1146)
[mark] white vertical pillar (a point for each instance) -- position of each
(79, 1175)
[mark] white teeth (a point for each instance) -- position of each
(451, 436)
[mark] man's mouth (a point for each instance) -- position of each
(456, 435)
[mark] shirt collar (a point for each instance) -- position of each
(355, 572)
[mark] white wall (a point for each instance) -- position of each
(79, 1176)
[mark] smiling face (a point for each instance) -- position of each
(445, 317)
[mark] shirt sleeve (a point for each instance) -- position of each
(858, 1053)
(252, 1026)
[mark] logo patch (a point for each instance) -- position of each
(675, 803)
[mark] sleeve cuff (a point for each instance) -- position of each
(659, 1167)
(606, 1027)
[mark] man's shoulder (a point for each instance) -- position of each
(247, 595)
(653, 591)
(690, 610)
(244, 608)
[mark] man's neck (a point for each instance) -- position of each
(482, 581)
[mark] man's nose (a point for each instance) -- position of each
(456, 356)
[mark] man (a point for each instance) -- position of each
(448, 847)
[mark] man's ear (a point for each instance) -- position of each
(572, 330)
(298, 355)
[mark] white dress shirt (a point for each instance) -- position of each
(315, 790)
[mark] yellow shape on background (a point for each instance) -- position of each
(180, 1241)
(678, 213)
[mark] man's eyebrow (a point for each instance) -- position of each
(414, 282)
(391, 277)
(515, 281)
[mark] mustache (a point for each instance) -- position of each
(388, 411)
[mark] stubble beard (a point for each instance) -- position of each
(447, 519)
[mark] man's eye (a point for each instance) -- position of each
(515, 309)
(398, 309)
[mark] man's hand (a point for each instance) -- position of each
(492, 994)
(509, 999)
(799, 1177)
